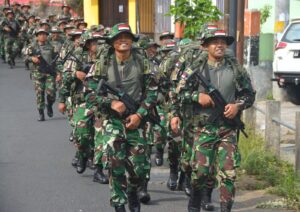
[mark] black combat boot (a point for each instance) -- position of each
(74, 161)
(226, 206)
(13, 62)
(49, 107)
(81, 165)
(206, 203)
(27, 64)
(10, 63)
(133, 202)
(187, 184)
(159, 157)
(99, 176)
(143, 194)
(172, 181)
(41, 115)
(195, 200)
(71, 138)
(120, 208)
(181, 180)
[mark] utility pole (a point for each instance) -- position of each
(233, 22)
(240, 31)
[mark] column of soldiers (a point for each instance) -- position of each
(125, 94)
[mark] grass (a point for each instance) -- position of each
(278, 174)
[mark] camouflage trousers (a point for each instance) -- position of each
(126, 151)
(43, 83)
(83, 130)
(215, 148)
(189, 131)
(70, 108)
(174, 148)
(10, 48)
(2, 52)
(100, 156)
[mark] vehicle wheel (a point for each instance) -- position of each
(294, 94)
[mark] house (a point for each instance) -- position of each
(144, 16)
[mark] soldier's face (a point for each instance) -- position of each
(151, 51)
(42, 37)
(216, 48)
(66, 9)
(76, 40)
(10, 16)
(55, 35)
(25, 9)
(93, 46)
(123, 42)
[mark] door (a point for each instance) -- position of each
(113, 12)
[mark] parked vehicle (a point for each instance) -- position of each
(286, 63)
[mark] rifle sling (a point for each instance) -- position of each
(116, 73)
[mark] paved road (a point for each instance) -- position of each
(35, 170)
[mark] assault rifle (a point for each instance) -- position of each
(131, 105)
(219, 101)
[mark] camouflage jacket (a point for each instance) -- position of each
(138, 80)
(185, 96)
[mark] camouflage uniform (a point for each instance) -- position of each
(213, 143)
(43, 81)
(10, 38)
(126, 149)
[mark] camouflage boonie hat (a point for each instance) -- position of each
(44, 22)
(26, 5)
(9, 12)
(51, 15)
(169, 45)
(184, 42)
(55, 30)
(16, 4)
(31, 16)
(206, 29)
(97, 28)
(118, 29)
(68, 26)
(143, 40)
(61, 22)
(74, 33)
(89, 36)
(152, 43)
(166, 34)
(6, 7)
(82, 22)
(218, 34)
(37, 18)
(65, 5)
(41, 30)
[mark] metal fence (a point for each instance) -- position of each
(273, 124)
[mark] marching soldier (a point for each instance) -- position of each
(125, 144)
(44, 73)
(12, 29)
(215, 137)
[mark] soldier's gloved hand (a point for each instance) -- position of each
(118, 106)
(205, 101)
(231, 110)
(175, 123)
(133, 121)
(80, 75)
(62, 107)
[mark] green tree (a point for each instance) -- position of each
(194, 14)
(265, 13)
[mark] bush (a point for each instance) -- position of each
(263, 164)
